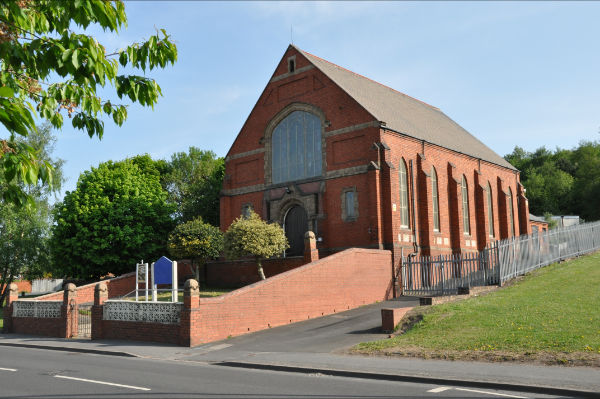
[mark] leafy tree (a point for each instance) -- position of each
(254, 237)
(587, 180)
(561, 182)
(197, 241)
(194, 181)
(549, 189)
(48, 68)
(25, 231)
(23, 243)
(116, 216)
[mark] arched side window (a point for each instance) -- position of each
(511, 215)
(296, 147)
(490, 211)
(403, 180)
(465, 206)
(435, 200)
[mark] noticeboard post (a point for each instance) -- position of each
(164, 271)
(141, 272)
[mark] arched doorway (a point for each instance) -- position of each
(296, 224)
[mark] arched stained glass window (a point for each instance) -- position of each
(465, 206)
(404, 220)
(296, 147)
(435, 200)
(490, 204)
(511, 215)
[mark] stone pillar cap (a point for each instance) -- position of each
(309, 234)
(101, 287)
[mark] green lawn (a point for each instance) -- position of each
(204, 293)
(551, 315)
(1, 319)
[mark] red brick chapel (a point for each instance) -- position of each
(363, 165)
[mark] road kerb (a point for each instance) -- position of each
(69, 349)
(547, 390)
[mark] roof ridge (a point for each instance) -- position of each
(364, 77)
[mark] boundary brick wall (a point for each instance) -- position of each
(117, 287)
(342, 281)
(22, 286)
(237, 273)
(47, 327)
(139, 331)
(64, 326)
(244, 272)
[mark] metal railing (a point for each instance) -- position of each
(499, 262)
(446, 274)
(523, 254)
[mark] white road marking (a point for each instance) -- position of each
(102, 382)
(490, 393)
(4, 369)
(439, 389)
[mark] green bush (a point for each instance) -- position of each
(116, 216)
(197, 241)
(254, 237)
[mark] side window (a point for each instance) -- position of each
(349, 204)
(465, 206)
(246, 210)
(490, 204)
(435, 200)
(402, 176)
(511, 215)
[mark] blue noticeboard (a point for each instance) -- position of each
(163, 271)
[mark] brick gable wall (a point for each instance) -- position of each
(361, 155)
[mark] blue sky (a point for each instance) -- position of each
(511, 73)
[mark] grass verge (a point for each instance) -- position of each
(550, 316)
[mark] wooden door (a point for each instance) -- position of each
(296, 225)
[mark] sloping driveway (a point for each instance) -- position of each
(321, 335)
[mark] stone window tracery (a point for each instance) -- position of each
(296, 147)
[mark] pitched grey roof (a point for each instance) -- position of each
(537, 218)
(405, 114)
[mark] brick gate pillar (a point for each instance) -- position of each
(13, 295)
(190, 315)
(311, 253)
(100, 296)
(69, 312)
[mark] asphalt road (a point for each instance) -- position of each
(37, 373)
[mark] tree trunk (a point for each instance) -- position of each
(196, 270)
(261, 273)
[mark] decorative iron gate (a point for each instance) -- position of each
(84, 320)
